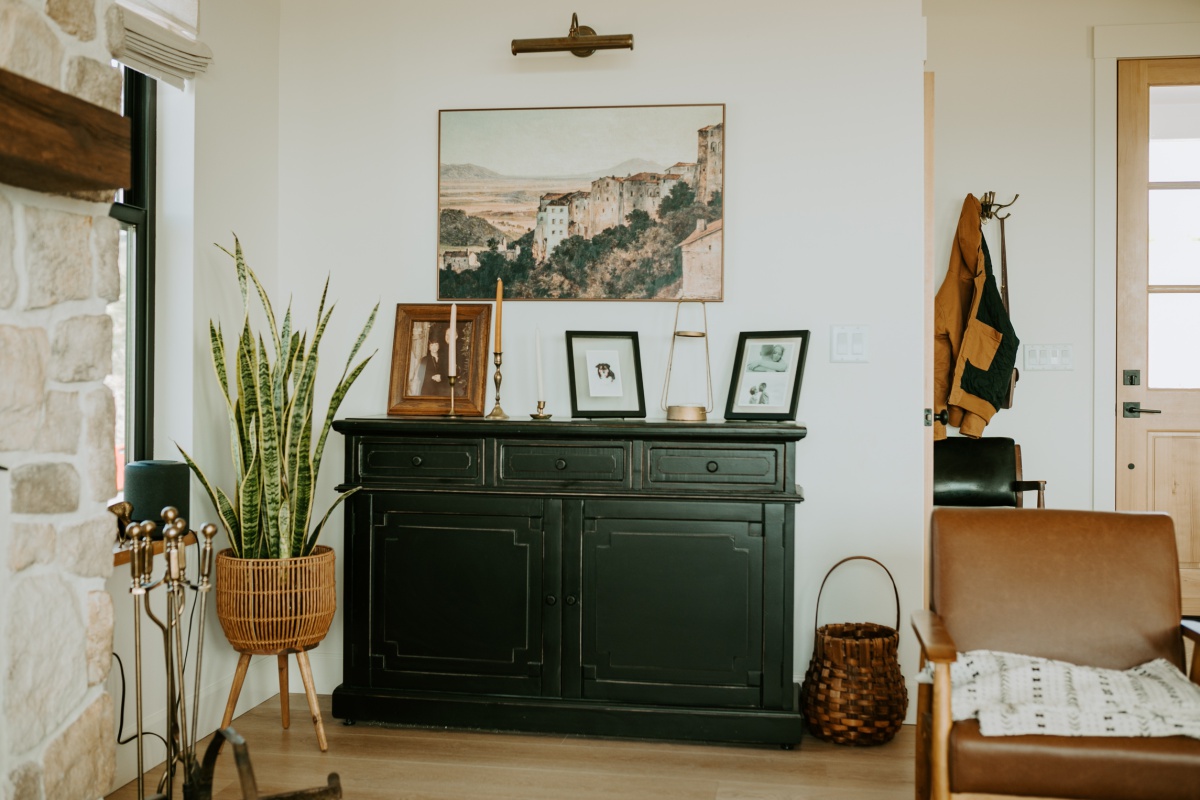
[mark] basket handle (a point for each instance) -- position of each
(817, 615)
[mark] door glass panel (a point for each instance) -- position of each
(1175, 133)
(1174, 330)
(1174, 246)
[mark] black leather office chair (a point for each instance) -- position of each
(981, 472)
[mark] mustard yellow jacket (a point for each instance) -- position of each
(974, 345)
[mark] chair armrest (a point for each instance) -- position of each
(936, 641)
(1032, 486)
(1191, 630)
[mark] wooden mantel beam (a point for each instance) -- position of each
(53, 142)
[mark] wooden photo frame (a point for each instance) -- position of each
(605, 371)
(766, 375)
(418, 369)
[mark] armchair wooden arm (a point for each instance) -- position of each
(1191, 630)
(936, 643)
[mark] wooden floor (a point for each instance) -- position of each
(391, 763)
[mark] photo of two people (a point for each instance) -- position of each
(765, 376)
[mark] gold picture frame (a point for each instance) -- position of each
(419, 384)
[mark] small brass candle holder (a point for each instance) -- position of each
(541, 412)
(452, 379)
(497, 412)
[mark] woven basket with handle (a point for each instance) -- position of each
(270, 605)
(854, 692)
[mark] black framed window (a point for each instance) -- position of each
(133, 313)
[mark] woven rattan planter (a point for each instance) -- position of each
(269, 606)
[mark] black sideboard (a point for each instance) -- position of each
(613, 578)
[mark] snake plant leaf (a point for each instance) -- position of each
(272, 469)
(217, 342)
(316, 534)
(220, 501)
(250, 506)
(247, 372)
(244, 271)
(346, 382)
(302, 496)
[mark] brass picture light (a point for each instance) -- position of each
(581, 40)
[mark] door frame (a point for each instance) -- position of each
(1110, 43)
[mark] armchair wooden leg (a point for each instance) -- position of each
(311, 693)
(239, 677)
(940, 768)
(284, 711)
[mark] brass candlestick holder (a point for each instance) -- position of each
(451, 379)
(541, 412)
(497, 412)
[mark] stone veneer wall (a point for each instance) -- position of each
(58, 271)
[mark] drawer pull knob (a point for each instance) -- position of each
(560, 464)
(570, 599)
(416, 461)
(712, 466)
(551, 599)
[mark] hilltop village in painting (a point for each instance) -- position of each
(519, 198)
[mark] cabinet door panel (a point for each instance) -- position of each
(672, 607)
(459, 595)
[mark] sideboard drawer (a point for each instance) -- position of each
(733, 468)
(434, 461)
(561, 464)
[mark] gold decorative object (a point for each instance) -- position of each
(180, 739)
(497, 412)
(688, 413)
(580, 40)
(541, 412)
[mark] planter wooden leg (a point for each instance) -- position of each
(311, 692)
(239, 677)
(284, 711)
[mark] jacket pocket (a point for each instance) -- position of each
(980, 343)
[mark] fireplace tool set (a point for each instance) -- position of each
(180, 736)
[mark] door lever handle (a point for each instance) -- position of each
(1135, 410)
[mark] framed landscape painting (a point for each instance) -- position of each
(600, 203)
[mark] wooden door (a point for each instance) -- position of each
(1158, 300)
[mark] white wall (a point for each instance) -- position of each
(1015, 114)
(323, 157)
(823, 219)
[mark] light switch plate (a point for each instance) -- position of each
(848, 344)
(1049, 357)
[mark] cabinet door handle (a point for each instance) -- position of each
(570, 599)
(560, 464)
(551, 599)
(712, 466)
(416, 461)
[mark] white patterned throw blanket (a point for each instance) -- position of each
(1013, 694)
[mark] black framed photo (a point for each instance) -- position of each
(766, 375)
(605, 370)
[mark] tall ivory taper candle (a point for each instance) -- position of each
(453, 340)
(499, 311)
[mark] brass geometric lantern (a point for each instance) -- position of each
(689, 413)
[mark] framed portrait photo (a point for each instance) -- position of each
(421, 355)
(766, 375)
(605, 371)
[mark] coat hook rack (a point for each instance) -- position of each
(988, 206)
(580, 40)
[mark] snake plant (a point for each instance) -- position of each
(270, 511)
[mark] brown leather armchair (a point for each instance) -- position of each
(1088, 587)
(981, 472)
